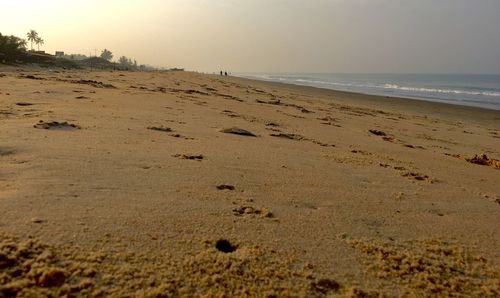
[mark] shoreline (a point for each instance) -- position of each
(433, 101)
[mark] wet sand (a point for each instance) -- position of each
(183, 184)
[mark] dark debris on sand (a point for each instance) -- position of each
(31, 77)
(198, 157)
(377, 132)
(225, 186)
(484, 160)
(290, 136)
(160, 128)
(249, 210)
(23, 104)
(93, 83)
(238, 131)
(56, 125)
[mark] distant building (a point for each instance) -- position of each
(59, 54)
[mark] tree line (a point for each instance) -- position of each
(13, 48)
(33, 37)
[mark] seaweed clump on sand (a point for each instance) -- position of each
(484, 160)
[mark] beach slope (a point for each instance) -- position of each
(184, 184)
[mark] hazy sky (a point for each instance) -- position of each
(374, 36)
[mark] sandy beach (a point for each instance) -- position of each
(155, 184)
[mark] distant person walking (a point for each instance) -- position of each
(225, 73)
(221, 72)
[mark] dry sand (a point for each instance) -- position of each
(123, 184)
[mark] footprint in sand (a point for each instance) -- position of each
(322, 144)
(382, 134)
(225, 187)
(31, 77)
(252, 212)
(297, 137)
(290, 115)
(176, 135)
(377, 132)
(273, 124)
(93, 83)
(231, 114)
(290, 136)
(198, 157)
(413, 146)
(412, 175)
(417, 176)
(5, 151)
(329, 120)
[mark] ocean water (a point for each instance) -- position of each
(471, 90)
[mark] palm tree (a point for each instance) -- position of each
(32, 37)
(39, 41)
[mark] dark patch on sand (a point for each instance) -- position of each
(56, 125)
(325, 285)
(225, 186)
(272, 124)
(484, 160)
(417, 176)
(377, 132)
(238, 131)
(197, 157)
(289, 136)
(5, 151)
(249, 210)
(93, 83)
(24, 104)
(225, 246)
(160, 128)
(31, 77)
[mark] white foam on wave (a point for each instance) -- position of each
(445, 91)
(380, 86)
(335, 83)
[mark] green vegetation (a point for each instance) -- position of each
(13, 50)
(75, 57)
(32, 37)
(39, 41)
(127, 64)
(106, 54)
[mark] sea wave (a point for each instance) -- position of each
(445, 91)
(486, 95)
(307, 81)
